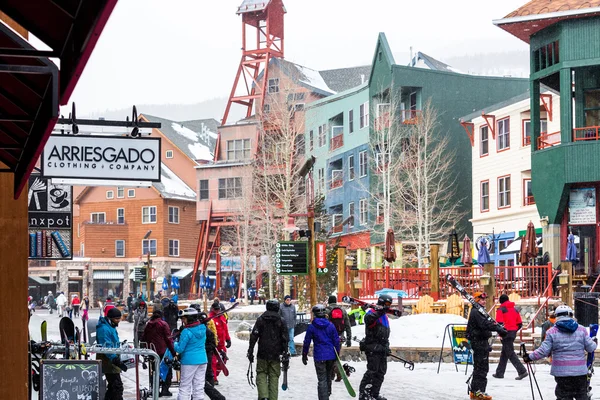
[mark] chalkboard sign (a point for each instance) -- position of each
(72, 380)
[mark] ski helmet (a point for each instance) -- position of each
(196, 306)
(319, 311)
(272, 305)
(202, 316)
(563, 311)
(191, 314)
(385, 300)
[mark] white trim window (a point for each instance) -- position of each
(362, 164)
(130, 192)
(120, 215)
(149, 215)
(351, 172)
(485, 196)
(504, 134)
(120, 192)
(351, 214)
(351, 121)
(484, 141)
(380, 213)
(230, 188)
(173, 248)
(110, 194)
(119, 248)
(238, 149)
(363, 212)
(169, 154)
(364, 115)
(149, 244)
(173, 215)
(322, 135)
(321, 180)
(504, 192)
(273, 85)
(98, 218)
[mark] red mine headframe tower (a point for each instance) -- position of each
(262, 39)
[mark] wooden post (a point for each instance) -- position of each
(566, 291)
(341, 273)
(490, 289)
(312, 266)
(434, 271)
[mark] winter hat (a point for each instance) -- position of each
(287, 297)
(332, 299)
(157, 314)
(215, 306)
(114, 313)
(481, 295)
(503, 298)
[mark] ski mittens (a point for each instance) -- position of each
(305, 359)
(526, 358)
(228, 343)
(502, 331)
(121, 366)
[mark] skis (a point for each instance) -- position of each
(44, 331)
(469, 298)
(352, 300)
(221, 362)
(234, 305)
(349, 387)
(285, 365)
(590, 361)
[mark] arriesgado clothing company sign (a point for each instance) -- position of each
(101, 157)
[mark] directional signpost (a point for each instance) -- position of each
(291, 258)
(140, 274)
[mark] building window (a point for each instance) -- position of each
(110, 194)
(274, 85)
(131, 193)
(149, 215)
(169, 154)
(504, 134)
(238, 149)
(266, 108)
(311, 140)
(203, 189)
(485, 196)
(362, 164)
(504, 192)
(484, 141)
(380, 213)
(120, 215)
(173, 248)
(322, 135)
(98, 218)
(351, 215)
(528, 199)
(173, 215)
(364, 214)
(120, 192)
(351, 168)
(119, 248)
(149, 245)
(527, 130)
(351, 121)
(321, 180)
(364, 115)
(230, 188)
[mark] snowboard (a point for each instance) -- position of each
(66, 328)
(91, 331)
(590, 361)
(44, 331)
(349, 387)
(352, 300)
(285, 365)
(220, 363)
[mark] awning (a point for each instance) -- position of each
(109, 275)
(41, 281)
(182, 273)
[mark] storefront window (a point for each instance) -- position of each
(107, 288)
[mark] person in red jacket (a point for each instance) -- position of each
(158, 333)
(222, 336)
(511, 319)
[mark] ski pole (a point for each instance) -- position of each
(531, 373)
(250, 376)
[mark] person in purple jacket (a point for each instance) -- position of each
(567, 342)
(326, 339)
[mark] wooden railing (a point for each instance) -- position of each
(586, 133)
(548, 140)
(411, 117)
(528, 201)
(337, 228)
(541, 306)
(337, 183)
(414, 281)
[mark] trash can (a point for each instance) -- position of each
(586, 308)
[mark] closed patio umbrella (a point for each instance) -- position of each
(389, 254)
(467, 260)
(572, 249)
(529, 248)
(483, 256)
(453, 248)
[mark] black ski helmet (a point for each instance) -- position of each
(196, 306)
(319, 311)
(273, 305)
(385, 300)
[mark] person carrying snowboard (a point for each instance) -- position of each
(158, 334)
(376, 346)
(112, 366)
(326, 342)
(339, 318)
(479, 330)
(222, 335)
(511, 320)
(271, 333)
(567, 342)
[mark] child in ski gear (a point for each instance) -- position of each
(356, 315)
(107, 336)
(158, 334)
(140, 318)
(339, 318)
(288, 313)
(376, 346)
(223, 337)
(326, 342)
(511, 320)
(271, 333)
(192, 354)
(548, 324)
(479, 330)
(568, 343)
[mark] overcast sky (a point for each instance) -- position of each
(186, 51)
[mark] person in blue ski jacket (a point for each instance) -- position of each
(107, 336)
(191, 352)
(326, 342)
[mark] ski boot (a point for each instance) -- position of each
(479, 395)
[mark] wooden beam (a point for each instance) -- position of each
(492, 125)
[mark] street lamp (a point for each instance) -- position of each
(146, 236)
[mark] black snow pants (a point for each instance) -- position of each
(324, 374)
(209, 381)
(571, 387)
(508, 353)
(114, 390)
(481, 365)
(373, 377)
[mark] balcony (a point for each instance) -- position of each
(336, 183)
(383, 121)
(379, 219)
(336, 142)
(586, 133)
(528, 201)
(337, 229)
(411, 117)
(547, 140)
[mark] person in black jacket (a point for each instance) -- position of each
(171, 312)
(376, 346)
(271, 333)
(130, 307)
(479, 330)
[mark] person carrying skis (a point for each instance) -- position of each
(271, 333)
(326, 342)
(567, 342)
(511, 320)
(112, 366)
(288, 313)
(158, 334)
(192, 355)
(479, 330)
(339, 318)
(222, 335)
(140, 318)
(376, 346)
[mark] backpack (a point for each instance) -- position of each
(337, 319)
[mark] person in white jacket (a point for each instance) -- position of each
(61, 302)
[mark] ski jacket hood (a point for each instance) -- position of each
(191, 345)
(270, 331)
(567, 325)
(325, 338)
(507, 315)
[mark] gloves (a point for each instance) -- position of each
(526, 358)
(223, 355)
(228, 343)
(121, 366)
(502, 332)
(305, 359)
(348, 343)
(364, 307)
(250, 356)
(388, 351)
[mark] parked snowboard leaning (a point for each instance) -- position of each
(511, 320)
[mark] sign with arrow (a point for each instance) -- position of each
(291, 258)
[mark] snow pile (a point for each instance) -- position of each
(173, 185)
(313, 78)
(200, 151)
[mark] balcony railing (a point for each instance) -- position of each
(379, 219)
(586, 133)
(337, 229)
(382, 122)
(528, 201)
(548, 140)
(337, 183)
(336, 142)
(411, 117)
(526, 140)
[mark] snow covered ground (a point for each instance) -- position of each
(400, 383)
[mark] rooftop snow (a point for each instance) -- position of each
(313, 78)
(187, 132)
(201, 152)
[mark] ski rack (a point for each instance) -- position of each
(59, 348)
